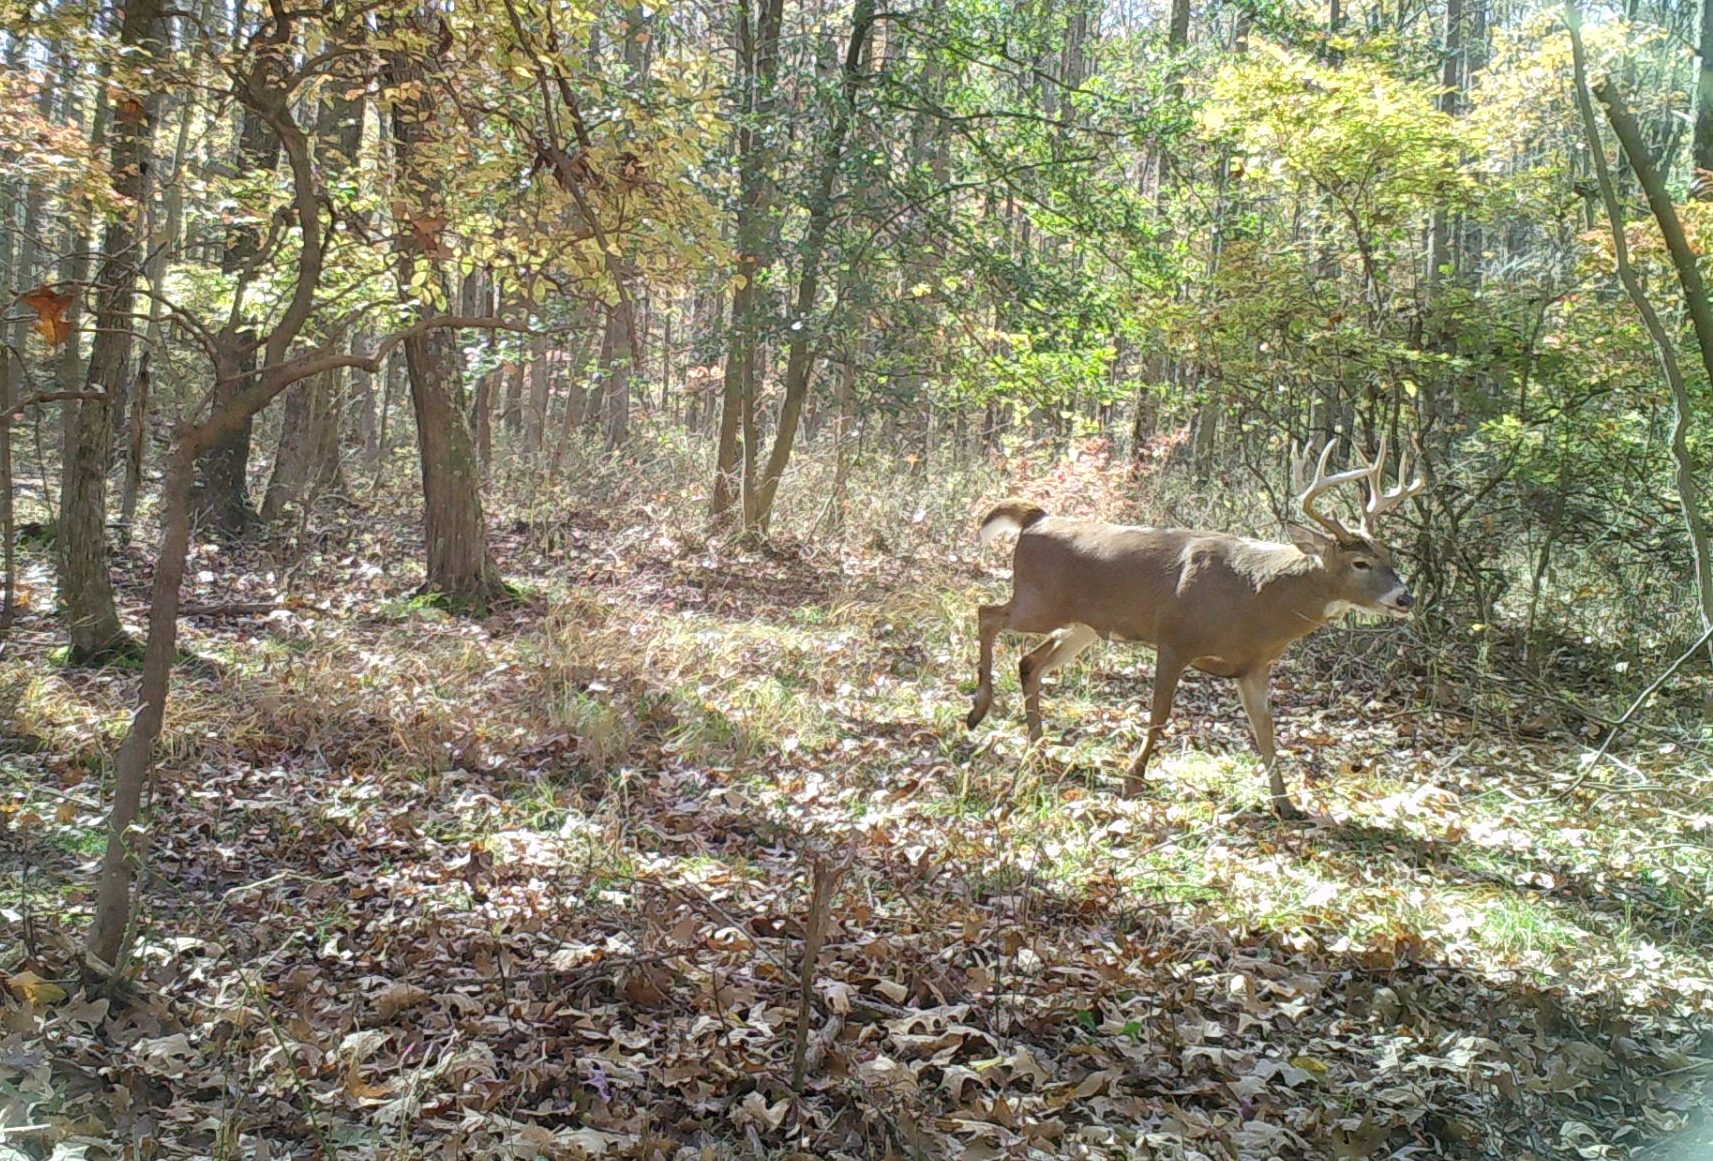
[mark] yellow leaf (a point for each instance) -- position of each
(33, 989)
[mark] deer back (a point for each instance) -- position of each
(1210, 594)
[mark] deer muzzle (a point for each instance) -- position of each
(1398, 603)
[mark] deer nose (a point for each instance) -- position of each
(1404, 600)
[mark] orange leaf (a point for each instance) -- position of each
(424, 230)
(50, 307)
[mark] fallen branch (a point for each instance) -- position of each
(234, 609)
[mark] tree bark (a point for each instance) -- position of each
(758, 65)
(1701, 146)
(459, 567)
(86, 589)
(163, 242)
(511, 413)
(105, 942)
(482, 418)
(20, 272)
(535, 411)
(616, 374)
(308, 449)
(368, 406)
(222, 501)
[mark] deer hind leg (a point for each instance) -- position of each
(992, 620)
(1059, 649)
(1168, 669)
(1252, 690)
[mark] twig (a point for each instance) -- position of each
(827, 876)
(234, 609)
(823, 1042)
(40, 398)
(1635, 707)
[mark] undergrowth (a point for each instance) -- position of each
(589, 821)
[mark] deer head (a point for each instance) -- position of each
(1356, 562)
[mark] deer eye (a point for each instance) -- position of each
(1360, 565)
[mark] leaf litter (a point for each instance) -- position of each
(538, 886)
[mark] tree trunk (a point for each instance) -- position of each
(221, 501)
(575, 401)
(164, 243)
(1440, 257)
(535, 411)
(458, 564)
(136, 436)
(459, 567)
(511, 412)
(105, 943)
(313, 407)
(616, 373)
(20, 272)
(758, 507)
(368, 407)
(482, 418)
(75, 257)
(86, 589)
(1689, 275)
(758, 66)
(1701, 148)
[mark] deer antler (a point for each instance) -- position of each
(1308, 491)
(1381, 501)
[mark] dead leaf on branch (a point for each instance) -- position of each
(424, 230)
(51, 308)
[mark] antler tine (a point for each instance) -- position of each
(1312, 490)
(1381, 501)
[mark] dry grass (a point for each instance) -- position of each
(670, 715)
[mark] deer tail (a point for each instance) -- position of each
(1010, 516)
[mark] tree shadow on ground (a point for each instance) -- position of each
(1666, 915)
(960, 1005)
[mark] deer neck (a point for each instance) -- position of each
(1303, 593)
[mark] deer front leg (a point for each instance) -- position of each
(1252, 690)
(990, 620)
(1057, 650)
(1168, 669)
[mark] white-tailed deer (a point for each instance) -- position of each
(1227, 605)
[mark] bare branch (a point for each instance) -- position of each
(37, 400)
(278, 378)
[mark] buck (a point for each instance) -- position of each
(1227, 605)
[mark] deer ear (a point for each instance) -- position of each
(1308, 540)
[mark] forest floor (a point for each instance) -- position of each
(537, 884)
